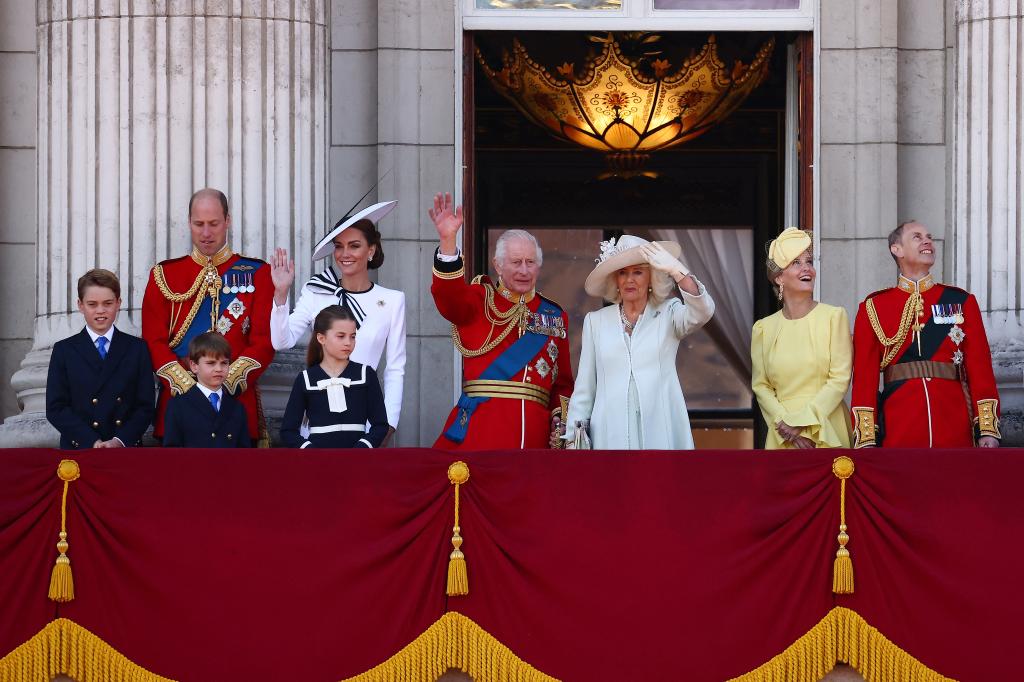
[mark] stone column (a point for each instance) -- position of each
(988, 201)
(140, 104)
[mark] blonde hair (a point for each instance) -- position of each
(662, 287)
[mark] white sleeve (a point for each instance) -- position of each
(394, 373)
(285, 329)
(581, 404)
(695, 314)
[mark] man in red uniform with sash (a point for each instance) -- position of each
(211, 289)
(929, 343)
(517, 379)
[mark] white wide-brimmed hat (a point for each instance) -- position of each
(618, 255)
(374, 213)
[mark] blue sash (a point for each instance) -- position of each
(502, 368)
(243, 267)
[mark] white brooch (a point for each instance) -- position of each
(608, 249)
(381, 303)
(223, 325)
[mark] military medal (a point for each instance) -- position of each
(234, 284)
(250, 288)
(553, 351)
(958, 357)
(226, 289)
(236, 308)
(245, 326)
(542, 367)
(956, 334)
(223, 325)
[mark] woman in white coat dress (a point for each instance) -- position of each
(354, 243)
(627, 385)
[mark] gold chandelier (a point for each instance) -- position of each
(625, 110)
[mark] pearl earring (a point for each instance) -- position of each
(780, 291)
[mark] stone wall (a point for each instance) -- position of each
(17, 192)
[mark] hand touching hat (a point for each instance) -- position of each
(660, 259)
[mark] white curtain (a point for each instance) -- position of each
(723, 260)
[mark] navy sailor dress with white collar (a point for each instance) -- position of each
(337, 408)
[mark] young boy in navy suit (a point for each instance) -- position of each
(206, 416)
(100, 390)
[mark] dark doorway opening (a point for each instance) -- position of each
(720, 195)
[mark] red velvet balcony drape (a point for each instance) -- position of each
(287, 565)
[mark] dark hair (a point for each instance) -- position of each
(321, 325)
(372, 236)
(896, 236)
(208, 344)
(207, 192)
(98, 277)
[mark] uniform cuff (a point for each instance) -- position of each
(448, 267)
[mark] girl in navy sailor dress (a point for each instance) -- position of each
(338, 397)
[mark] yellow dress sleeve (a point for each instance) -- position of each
(818, 418)
(771, 408)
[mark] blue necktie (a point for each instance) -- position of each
(214, 400)
(101, 346)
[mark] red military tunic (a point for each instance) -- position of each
(193, 294)
(480, 314)
(924, 400)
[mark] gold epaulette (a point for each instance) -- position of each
(482, 279)
(176, 377)
(238, 373)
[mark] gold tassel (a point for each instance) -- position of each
(458, 578)
(62, 583)
(842, 567)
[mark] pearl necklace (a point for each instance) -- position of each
(625, 322)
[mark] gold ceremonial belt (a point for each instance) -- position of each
(516, 390)
(921, 369)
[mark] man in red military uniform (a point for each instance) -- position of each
(928, 342)
(211, 289)
(516, 373)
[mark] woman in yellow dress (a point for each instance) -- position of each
(801, 355)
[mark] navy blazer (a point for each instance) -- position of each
(191, 422)
(90, 399)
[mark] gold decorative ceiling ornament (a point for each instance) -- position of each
(623, 109)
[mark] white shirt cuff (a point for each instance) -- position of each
(445, 258)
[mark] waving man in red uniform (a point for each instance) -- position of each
(928, 342)
(516, 373)
(211, 289)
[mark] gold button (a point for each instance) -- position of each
(95, 425)
(213, 435)
(528, 379)
(229, 436)
(118, 398)
(95, 400)
(117, 422)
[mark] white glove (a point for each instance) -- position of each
(662, 260)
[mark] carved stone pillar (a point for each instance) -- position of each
(988, 203)
(142, 103)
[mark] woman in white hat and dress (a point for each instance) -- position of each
(355, 245)
(802, 355)
(627, 386)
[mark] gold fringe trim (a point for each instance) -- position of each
(454, 641)
(64, 647)
(843, 637)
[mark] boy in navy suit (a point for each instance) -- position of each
(206, 416)
(100, 391)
